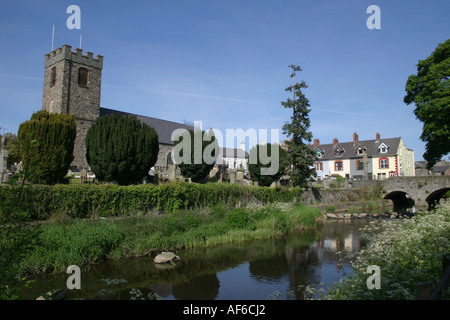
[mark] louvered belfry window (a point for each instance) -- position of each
(83, 77)
(53, 77)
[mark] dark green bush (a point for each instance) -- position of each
(237, 219)
(49, 161)
(121, 149)
(198, 172)
(91, 201)
(255, 168)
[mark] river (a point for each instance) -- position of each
(258, 270)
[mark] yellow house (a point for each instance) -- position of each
(392, 158)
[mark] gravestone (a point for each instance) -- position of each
(171, 171)
(239, 176)
(83, 175)
(4, 173)
(232, 176)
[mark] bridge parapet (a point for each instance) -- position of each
(424, 190)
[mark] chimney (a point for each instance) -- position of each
(335, 142)
(378, 136)
(355, 138)
(316, 143)
(242, 146)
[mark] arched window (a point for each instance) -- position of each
(169, 158)
(53, 77)
(83, 77)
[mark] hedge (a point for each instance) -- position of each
(106, 200)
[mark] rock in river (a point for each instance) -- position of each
(166, 257)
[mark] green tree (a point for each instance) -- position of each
(255, 168)
(121, 149)
(301, 156)
(185, 149)
(49, 162)
(429, 90)
(17, 238)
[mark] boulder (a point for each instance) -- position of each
(348, 216)
(362, 215)
(56, 295)
(166, 257)
(331, 216)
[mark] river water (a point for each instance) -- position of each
(258, 270)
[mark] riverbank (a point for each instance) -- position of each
(67, 241)
(408, 252)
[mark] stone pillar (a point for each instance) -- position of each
(240, 176)
(366, 166)
(171, 171)
(83, 176)
(4, 173)
(232, 176)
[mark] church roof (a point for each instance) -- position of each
(163, 128)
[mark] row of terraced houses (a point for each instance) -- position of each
(376, 159)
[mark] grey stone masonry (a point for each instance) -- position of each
(65, 93)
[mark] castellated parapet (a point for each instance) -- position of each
(72, 85)
(65, 52)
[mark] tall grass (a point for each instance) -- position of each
(68, 241)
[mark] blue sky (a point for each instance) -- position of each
(226, 62)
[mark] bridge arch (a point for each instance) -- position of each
(434, 197)
(403, 203)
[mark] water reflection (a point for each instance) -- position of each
(274, 268)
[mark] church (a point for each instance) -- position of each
(72, 85)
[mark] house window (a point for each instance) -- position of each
(383, 148)
(319, 166)
(338, 166)
(83, 77)
(359, 165)
(53, 77)
(381, 176)
(384, 163)
(361, 151)
(339, 152)
(392, 174)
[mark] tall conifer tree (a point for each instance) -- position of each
(49, 162)
(301, 156)
(121, 149)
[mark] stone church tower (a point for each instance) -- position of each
(72, 85)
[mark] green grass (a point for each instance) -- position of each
(70, 241)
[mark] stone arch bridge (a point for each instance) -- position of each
(419, 192)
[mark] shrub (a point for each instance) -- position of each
(420, 244)
(49, 161)
(121, 149)
(187, 163)
(255, 168)
(330, 209)
(237, 219)
(352, 209)
(91, 201)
